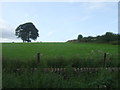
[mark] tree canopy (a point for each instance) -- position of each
(80, 37)
(26, 32)
(108, 37)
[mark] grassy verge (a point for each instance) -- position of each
(39, 79)
(67, 79)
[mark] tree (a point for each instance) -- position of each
(80, 37)
(26, 32)
(109, 36)
(90, 39)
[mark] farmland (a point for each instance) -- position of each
(27, 51)
(53, 51)
(63, 55)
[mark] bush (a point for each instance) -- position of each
(104, 80)
(57, 62)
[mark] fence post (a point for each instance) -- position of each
(38, 57)
(105, 59)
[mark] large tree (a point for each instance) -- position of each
(80, 37)
(26, 32)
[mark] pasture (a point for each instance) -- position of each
(23, 56)
(60, 52)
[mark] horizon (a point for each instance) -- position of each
(50, 41)
(59, 21)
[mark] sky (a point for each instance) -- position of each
(58, 21)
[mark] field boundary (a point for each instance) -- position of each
(111, 69)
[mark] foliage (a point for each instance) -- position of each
(80, 37)
(57, 62)
(108, 37)
(40, 79)
(26, 32)
(105, 80)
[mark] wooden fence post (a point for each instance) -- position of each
(38, 57)
(105, 59)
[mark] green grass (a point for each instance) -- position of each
(27, 51)
(62, 54)
(39, 79)
(23, 55)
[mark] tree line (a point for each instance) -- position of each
(28, 31)
(108, 37)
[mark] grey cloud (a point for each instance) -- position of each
(8, 34)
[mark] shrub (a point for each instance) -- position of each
(57, 62)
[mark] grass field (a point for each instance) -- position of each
(27, 51)
(60, 51)
(68, 55)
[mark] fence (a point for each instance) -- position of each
(104, 59)
(61, 70)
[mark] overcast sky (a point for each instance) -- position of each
(59, 21)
